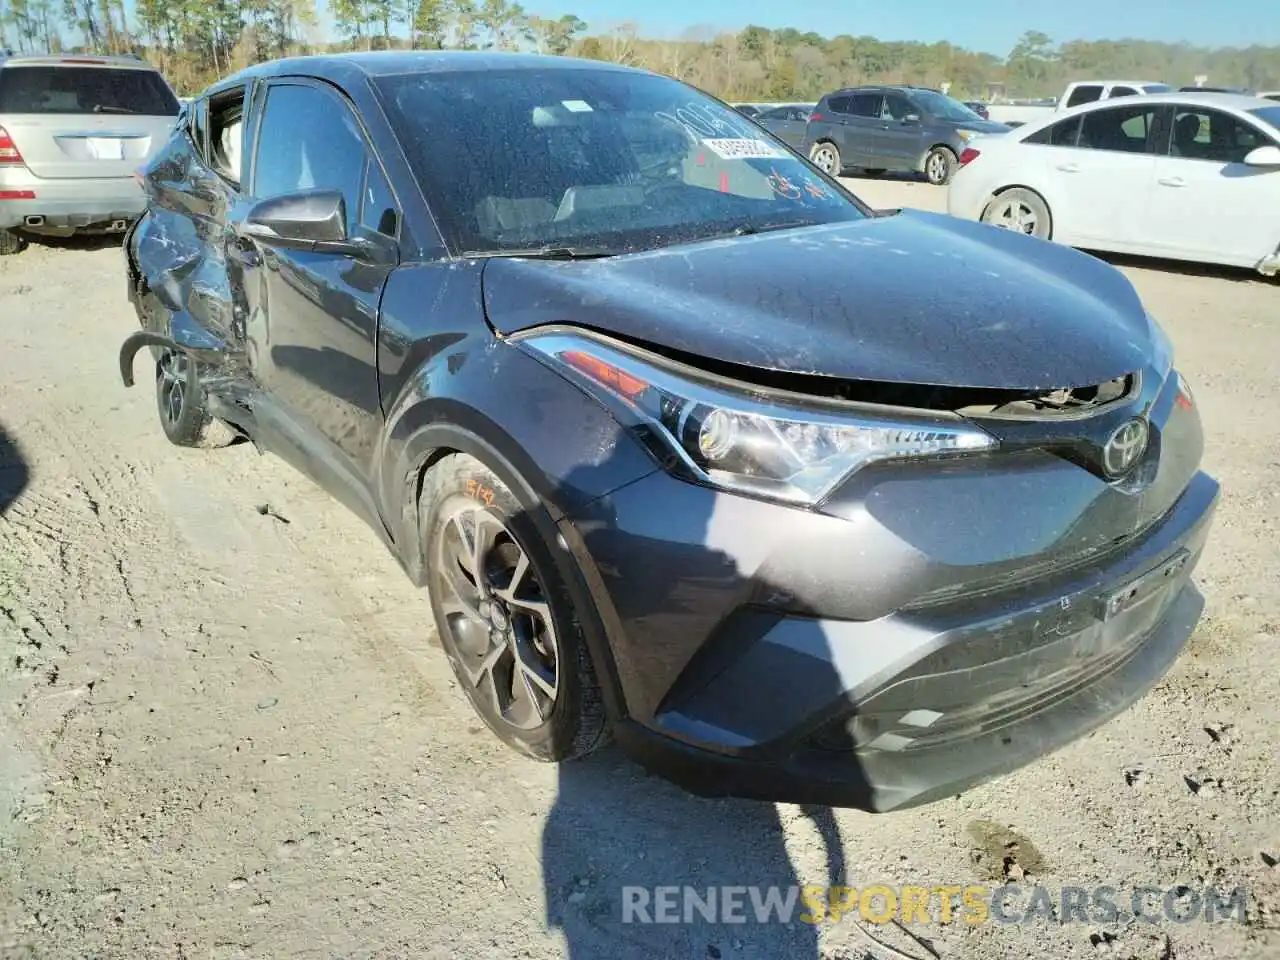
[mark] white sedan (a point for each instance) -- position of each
(1177, 175)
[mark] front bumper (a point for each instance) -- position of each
(67, 206)
(921, 705)
(933, 626)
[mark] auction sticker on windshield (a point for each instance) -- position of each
(744, 149)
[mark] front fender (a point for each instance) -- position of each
(555, 447)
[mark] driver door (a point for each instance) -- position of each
(313, 316)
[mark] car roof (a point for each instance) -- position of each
(347, 67)
(1215, 101)
(1104, 83)
(127, 62)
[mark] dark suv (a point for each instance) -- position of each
(893, 128)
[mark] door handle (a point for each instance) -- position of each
(1172, 182)
(1069, 167)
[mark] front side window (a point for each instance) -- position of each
(866, 104)
(601, 159)
(1213, 136)
(308, 140)
(898, 107)
(1119, 129)
(1085, 93)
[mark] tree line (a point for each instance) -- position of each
(197, 41)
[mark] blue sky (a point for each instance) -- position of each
(990, 25)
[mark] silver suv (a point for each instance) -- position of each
(73, 129)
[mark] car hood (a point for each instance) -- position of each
(910, 298)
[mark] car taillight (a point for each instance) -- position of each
(8, 149)
(17, 194)
(968, 155)
(816, 117)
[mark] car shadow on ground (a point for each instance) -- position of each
(1210, 271)
(14, 473)
(616, 833)
(78, 241)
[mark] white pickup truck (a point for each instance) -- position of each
(1087, 91)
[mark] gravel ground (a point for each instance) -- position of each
(225, 731)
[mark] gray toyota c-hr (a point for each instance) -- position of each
(797, 499)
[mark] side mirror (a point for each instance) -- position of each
(300, 220)
(1268, 156)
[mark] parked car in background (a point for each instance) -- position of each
(747, 109)
(787, 123)
(73, 129)
(1270, 94)
(1184, 176)
(978, 107)
(1088, 91)
(806, 503)
(879, 128)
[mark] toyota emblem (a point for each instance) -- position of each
(1125, 447)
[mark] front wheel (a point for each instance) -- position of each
(1022, 210)
(826, 157)
(940, 166)
(505, 616)
(180, 401)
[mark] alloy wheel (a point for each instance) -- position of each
(937, 171)
(824, 159)
(501, 634)
(175, 370)
(1014, 215)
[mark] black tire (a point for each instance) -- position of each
(1021, 210)
(477, 627)
(825, 155)
(11, 243)
(940, 166)
(180, 402)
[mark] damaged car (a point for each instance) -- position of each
(795, 499)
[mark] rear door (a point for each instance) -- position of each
(861, 147)
(85, 119)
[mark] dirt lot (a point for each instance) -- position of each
(224, 731)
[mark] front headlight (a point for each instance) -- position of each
(750, 440)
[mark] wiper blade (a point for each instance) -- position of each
(750, 229)
(107, 108)
(545, 253)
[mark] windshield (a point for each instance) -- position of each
(942, 106)
(1268, 115)
(85, 90)
(595, 158)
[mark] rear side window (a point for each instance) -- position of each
(64, 90)
(1086, 93)
(1061, 134)
(1118, 129)
(1122, 92)
(840, 104)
